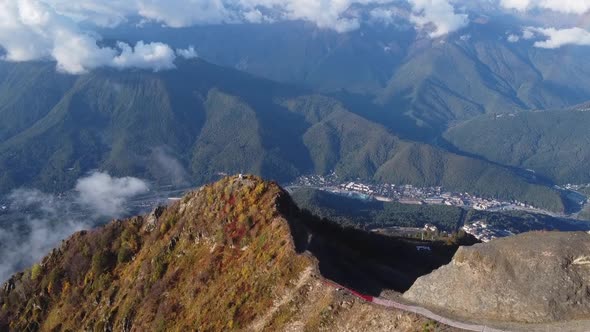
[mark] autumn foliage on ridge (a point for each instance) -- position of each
(212, 261)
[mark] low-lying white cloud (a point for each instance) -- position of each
(512, 38)
(182, 13)
(562, 6)
(38, 221)
(27, 237)
(439, 13)
(156, 56)
(49, 29)
(555, 38)
(167, 168)
(338, 15)
(189, 53)
(384, 15)
(527, 34)
(107, 195)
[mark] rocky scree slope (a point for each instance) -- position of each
(531, 278)
(228, 256)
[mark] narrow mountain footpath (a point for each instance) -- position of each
(261, 323)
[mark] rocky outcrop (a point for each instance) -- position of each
(533, 277)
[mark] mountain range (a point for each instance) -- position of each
(434, 82)
(190, 124)
(434, 153)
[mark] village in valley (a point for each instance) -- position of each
(409, 194)
(405, 194)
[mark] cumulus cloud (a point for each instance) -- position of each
(255, 16)
(563, 6)
(556, 38)
(384, 15)
(438, 13)
(188, 53)
(338, 15)
(34, 30)
(182, 13)
(35, 222)
(527, 34)
(49, 29)
(107, 195)
(331, 14)
(512, 38)
(104, 13)
(156, 56)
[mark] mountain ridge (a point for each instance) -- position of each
(228, 256)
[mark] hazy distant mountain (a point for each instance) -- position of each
(27, 93)
(479, 72)
(437, 81)
(189, 124)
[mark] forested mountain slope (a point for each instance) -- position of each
(555, 144)
(203, 120)
(433, 81)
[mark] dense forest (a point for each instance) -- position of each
(553, 144)
(205, 120)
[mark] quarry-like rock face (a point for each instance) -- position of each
(533, 277)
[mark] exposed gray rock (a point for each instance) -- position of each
(152, 218)
(532, 277)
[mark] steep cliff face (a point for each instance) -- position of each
(228, 256)
(533, 277)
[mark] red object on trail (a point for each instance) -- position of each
(367, 298)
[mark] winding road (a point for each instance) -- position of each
(417, 310)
